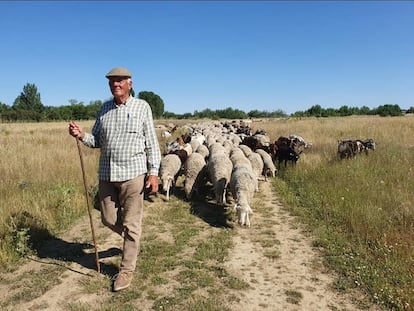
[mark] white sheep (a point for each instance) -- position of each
(246, 149)
(228, 145)
(194, 172)
(238, 158)
(269, 167)
(242, 187)
(219, 170)
(263, 139)
(235, 139)
(203, 150)
(257, 165)
(169, 170)
(216, 148)
(194, 143)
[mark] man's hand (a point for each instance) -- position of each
(76, 130)
(152, 184)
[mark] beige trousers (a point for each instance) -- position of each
(122, 205)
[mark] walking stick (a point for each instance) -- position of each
(87, 203)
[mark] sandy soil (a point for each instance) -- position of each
(290, 278)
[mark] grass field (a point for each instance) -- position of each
(360, 210)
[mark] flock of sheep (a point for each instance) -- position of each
(232, 159)
(229, 157)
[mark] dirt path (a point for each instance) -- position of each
(274, 257)
(290, 278)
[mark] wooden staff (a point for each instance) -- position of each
(89, 208)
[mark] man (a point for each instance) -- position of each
(125, 133)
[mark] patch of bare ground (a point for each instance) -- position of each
(274, 257)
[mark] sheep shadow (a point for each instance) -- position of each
(204, 206)
(219, 216)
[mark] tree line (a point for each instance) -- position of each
(28, 107)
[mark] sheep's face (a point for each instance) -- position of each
(166, 183)
(243, 212)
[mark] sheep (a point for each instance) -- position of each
(166, 134)
(194, 143)
(238, 158)
(257, 166)
(194, 172)
(262, 138)
(228, 145)
(169, 170)
(246, 149)
(216, 147)
(242, 188)
(219, 169)
(198, 137)
(268, 165)
(182, 154)
(203, 150)
(236, 140)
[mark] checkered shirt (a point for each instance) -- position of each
(128, 141)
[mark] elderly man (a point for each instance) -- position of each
(129, 151)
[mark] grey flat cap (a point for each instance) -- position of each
(119, 72)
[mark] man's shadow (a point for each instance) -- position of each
(47, 246)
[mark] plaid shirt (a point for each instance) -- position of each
(127, 138)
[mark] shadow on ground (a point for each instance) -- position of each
(45, 246)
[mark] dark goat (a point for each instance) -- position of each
(369, 144)
(286, 154)
(347, 149)
(244, 130)
(283, 141)
(182, 154)
(252, 142)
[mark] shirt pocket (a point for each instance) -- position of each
(134, 125)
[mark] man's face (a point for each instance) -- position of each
(120, 86)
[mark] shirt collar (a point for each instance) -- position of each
(124, 104)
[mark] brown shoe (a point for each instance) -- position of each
(123, 280)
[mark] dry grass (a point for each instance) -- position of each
(41, 180)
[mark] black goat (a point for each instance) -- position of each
(286, 154)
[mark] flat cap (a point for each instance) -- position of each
(119, 72)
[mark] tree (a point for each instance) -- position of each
(364, 110)
(29, 100)
(344, 111)
(156, 103)
(410, 110)
(389, 110)
(315, 111)
(93, 109)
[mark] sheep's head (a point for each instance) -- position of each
(167, 182)
(243, 211)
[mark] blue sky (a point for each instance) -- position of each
(264, 55)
